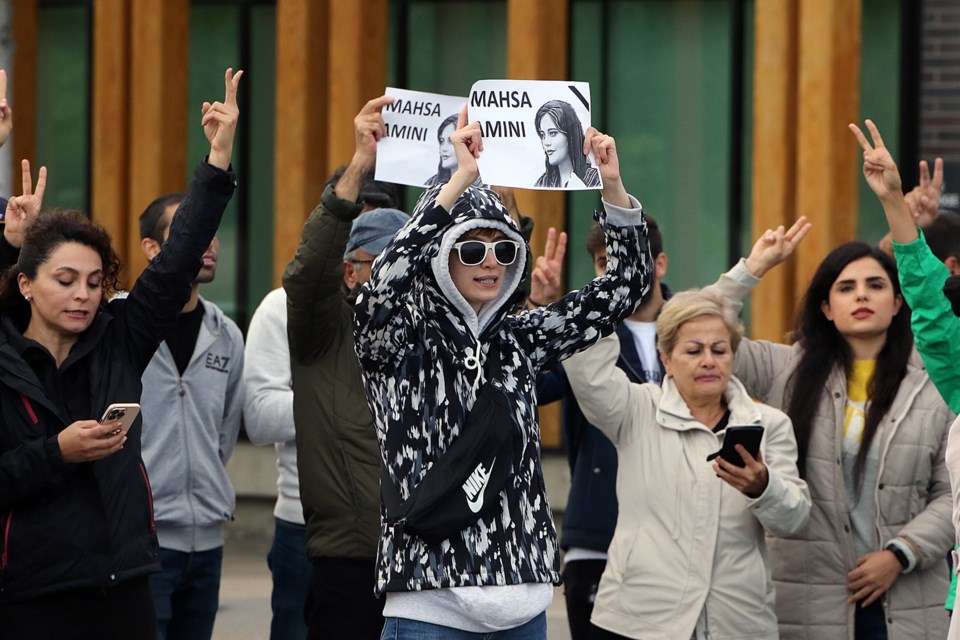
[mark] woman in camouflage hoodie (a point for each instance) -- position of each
(424, 326)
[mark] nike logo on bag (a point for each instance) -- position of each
(476, 484)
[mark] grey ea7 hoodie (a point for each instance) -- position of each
(421, 348)
(190, 426)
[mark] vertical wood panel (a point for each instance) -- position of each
(23, 88)
(535, 52)
(828, 99)
(357, 37)
(158, 105)
(807, 88)
(774, 161)
(110, 157)
(300, 139)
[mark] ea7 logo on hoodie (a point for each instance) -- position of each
(476, 484)
(217, 363)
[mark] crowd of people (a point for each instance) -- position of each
(398, 372)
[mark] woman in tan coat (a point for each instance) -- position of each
(871, 431)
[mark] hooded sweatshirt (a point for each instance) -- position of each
(422, 348)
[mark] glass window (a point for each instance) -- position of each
(63, 104)
(238, 35)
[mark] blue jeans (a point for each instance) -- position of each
(403, 629)
(186, 593)
(291, 571)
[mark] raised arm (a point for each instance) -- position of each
(579, 318)
(884, 179)
(606, 396)
(923, 201)
(163, 288)
(935, 327)
(758, 361)
(385, 311)
(314, 279)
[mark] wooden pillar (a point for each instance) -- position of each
(23, 86)
(828, 98)
(357, 69)
(534, 52)
(110, 122)
(806, 90)
(300, 140)
(157, 137)
(774, 161)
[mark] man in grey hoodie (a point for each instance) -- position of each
(191, 405)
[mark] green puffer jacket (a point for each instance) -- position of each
(337, 451)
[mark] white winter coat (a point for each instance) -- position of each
(688, 553)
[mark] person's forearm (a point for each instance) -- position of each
(454, 188)
(902, 229)
(348, 186)
(614, 192)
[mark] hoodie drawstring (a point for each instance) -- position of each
(473, 362)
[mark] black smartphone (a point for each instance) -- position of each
(749, 436)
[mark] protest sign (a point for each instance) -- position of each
(533, 134)
(417, 149)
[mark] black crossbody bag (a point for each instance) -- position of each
(465, 483)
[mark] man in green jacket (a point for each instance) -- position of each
(337, 453)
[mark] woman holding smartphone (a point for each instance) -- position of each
(688, 558)
(75, 504)
(871, 431)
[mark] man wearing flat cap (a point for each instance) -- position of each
(337, 453)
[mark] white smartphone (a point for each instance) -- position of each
(124, 412)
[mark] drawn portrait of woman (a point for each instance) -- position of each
(561, 135)
(448, 160)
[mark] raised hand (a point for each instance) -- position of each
(924, 199)
(604, 149)
(22, 210)
(467, 143)
(220, 122)
(878, 166)
(776, 245)
(368, 129)
(884, 178)
(547, 275)
(6, 113)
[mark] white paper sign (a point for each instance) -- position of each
(417, 149)
(533, 134)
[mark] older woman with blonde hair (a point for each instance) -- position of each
(687, 558)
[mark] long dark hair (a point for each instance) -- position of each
(43, 237)
(568, 123)
(824, 349)
(443, 175)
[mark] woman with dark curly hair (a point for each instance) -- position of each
(76, 512)
(561, 135)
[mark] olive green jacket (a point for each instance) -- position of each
(337, 451)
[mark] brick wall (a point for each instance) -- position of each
(940, 93)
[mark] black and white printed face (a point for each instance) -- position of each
(448, 158)
(554, 141)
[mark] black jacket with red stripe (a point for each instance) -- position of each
(68, 526)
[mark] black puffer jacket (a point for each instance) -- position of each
(68, 526)
(421, 348)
